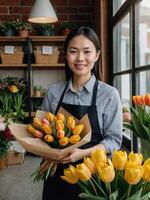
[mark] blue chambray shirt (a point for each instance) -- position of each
(109, 107)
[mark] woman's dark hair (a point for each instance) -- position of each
(91, 35)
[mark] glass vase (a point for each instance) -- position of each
(144, 147)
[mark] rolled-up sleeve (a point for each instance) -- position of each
(112, 122)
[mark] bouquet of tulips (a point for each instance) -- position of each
(124, 177)
(58, 132)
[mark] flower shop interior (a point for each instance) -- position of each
(30, 63)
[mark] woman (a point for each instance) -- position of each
(83, 93)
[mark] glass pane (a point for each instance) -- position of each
(123, 84)
(121, 45)
(116, 5)
(143, 82)
(142, 33)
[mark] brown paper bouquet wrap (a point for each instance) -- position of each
(39, 147)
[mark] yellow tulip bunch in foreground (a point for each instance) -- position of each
(124, 177)
(58, 132)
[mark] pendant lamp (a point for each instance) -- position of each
(42, 12)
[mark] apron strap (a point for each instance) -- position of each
(93, 103)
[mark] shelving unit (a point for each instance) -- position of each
(36, 74)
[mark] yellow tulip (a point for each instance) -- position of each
(78, 129)
(50, 117)
(90, 164)
(60, 116)
(60, 134)
(133, 174)
(37, 123)
(47, 129)
(13, 88)
(135, 157)
(59, 125)
(48, 138)
(99, 157)
(106, 172)
(64, 141)
(70, 175)
(83, 172)
(74, 139)
(119, 159)
(146, 172)
(70, 122)
(147, 161)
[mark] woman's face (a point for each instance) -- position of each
(81, 56)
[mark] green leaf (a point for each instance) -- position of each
(136, 196)
(114, 195)
(146, 196)
(91, 197)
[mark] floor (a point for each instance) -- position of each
(15, 181)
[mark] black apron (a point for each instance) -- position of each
(55, 187)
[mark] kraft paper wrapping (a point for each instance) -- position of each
(39, 147)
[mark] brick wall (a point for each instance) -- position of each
(78, 11)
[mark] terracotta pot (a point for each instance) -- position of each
(3, 162)
(37, 93)
(23, 32)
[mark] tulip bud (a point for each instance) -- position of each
(83, 172)
(70, 122)
(45, 121)
(38, 134)
(64, 141)
(31, 129)
(47, 129)
(119, 159)
(147, 99)
(99, 157)
(60, 134)
(90, 164)
(106, 172)
(48, 138)
(138, 100)
(126, 116)
(78, 129)
(61, 117)
(50, 117)
(135, 157)
(37, 123)
(70, 175)
(146, 172)
(13, 88)
(59, 125)
(133, 174)
(74, 139)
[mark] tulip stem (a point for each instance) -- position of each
(129, 190)
(93, 187)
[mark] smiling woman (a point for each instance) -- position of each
(83, 93)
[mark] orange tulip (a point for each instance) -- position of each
(50, 117)
(48, 138)
(147, 99)
(61, 117)
(60, 134)
(138, 100)
(64, 141)
(78, 129)
(74, 139)
(70, 122)
(13, 88)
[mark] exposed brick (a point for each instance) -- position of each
(79, 2)
(4, 10)
(9, 17)
(79, 17)
(9, 2)
(26, 2)
(86, 10)
(66, 10)
(56, 3)
(20, 10)
(63, 17)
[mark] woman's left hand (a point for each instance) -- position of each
(75, 155)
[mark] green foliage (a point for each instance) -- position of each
(66, 24)
(23, 25)
(7, 25)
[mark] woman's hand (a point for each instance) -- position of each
(75, 155)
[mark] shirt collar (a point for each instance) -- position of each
(87, 86)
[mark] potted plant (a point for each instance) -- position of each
(23, 28)
(38, 91)
(47, 29)
(8, 27)
(65, 27)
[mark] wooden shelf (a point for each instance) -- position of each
(12, 38)
(13, 65)
(52, 66)
(47, 38)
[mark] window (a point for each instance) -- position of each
(131, 48)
